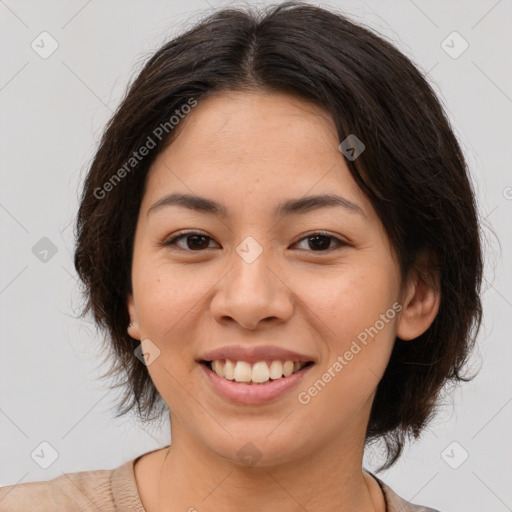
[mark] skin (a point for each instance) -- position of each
(249, 151)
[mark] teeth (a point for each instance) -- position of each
(276, 370)
(229, 369)
(260, 372)
(218, 368)
(242, 371)
(287, 368)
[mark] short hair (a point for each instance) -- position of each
(412, 170)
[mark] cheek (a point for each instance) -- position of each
(169, 301)
(354, 314)
(351, 298)
(357, 345)
(167, 296)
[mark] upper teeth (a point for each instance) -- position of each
(241, 371)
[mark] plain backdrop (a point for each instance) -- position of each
(53, 110)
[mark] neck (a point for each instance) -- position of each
(195, 479)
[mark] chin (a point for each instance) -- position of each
(261, 449)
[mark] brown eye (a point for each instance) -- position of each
(194, 241)
(321, 241)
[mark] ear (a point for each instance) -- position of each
(133, 328)
(421, 299)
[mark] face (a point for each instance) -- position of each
(250, 277)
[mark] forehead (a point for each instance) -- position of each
(253, 146)
(239, 126)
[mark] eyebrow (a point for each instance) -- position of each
(288, 207)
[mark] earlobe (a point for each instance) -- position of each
(133, 326)
(420, 306)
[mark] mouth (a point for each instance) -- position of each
(255, 373)
(254, 384)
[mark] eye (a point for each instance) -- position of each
(194, 241)
(320, 241)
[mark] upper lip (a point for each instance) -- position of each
(253, 354)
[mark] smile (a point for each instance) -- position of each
(259, 372)
(254, 384)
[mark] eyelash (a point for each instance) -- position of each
(172, 241)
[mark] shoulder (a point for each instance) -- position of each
(86, 490)
(396, 503)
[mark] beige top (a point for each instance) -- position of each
(109, 490)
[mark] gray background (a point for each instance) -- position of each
(53, 112)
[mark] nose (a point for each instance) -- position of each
(252, 293)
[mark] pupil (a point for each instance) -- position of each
(197, 246)
(318, 242)
(316, 238)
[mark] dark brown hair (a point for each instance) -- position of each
(412, 170)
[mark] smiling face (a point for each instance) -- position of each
(249, 153)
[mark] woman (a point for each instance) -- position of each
(280, 238)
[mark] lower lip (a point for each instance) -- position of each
(254, 394)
